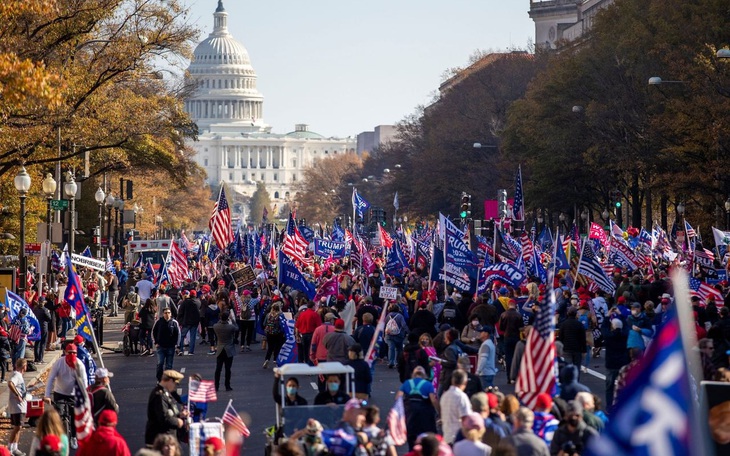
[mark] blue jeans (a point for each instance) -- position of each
(65, 326)
(165, 356)
(486, 380)
(193, 330)
(395, 348)
(19, 351)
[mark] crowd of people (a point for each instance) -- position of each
(448, 348)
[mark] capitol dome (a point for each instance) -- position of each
(225, 80)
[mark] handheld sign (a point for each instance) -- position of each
(388, 293)
(244, 276)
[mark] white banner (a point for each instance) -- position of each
(92, 263)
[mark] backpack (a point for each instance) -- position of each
(273, 326)
(449, 313)
(246, 312)
(392, 328)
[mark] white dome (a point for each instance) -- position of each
(224, 50)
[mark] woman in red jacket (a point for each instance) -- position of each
(105, 440)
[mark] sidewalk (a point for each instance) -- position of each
(30, 377)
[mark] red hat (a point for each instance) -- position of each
(544, 401)
(216, 443)
(193, 293)
(205, 288)
(340, 297)
(422, 304)
(3, 333)
(492, 400)
(51, 443)
(78, 340)
(339, 323)
(72, 348)
(246, 292)
(221, 282)
(621, 300)
(4, 451)
(108, 418)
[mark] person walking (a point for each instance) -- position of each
(112, 287)
(101, 395)
(338, 343)
(510, 323)
(105, 440)
(274, 329)
(17, 405)
(165, 412)
(247, 321)
(395, 333)
(307, 321)
(166, 334)
(147, 317)
(573, 336)
(421, 405)
(454, 405)
(189, 318)
(225, 333)
(486, 360)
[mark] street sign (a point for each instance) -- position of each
(59, 205)
(33, 249)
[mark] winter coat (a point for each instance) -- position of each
(105, 440)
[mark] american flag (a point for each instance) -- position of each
(202, 390)
(592, 268)
(537, 370)
(295, 246)
(397, 423)
(177, 271)
(233, 419)
(528, 250)
(690, 231)
(220, 221)
(703, 290)
(518, 205)
(83, 420)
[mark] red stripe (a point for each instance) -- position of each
(537, 373)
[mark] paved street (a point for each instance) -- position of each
(135, 377)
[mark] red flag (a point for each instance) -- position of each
(597, 232)
(385, 238)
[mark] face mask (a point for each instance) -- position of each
(333, 387)
(475, 323)
(291, 390)
(71, 360)
(574, 421)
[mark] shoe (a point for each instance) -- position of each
(73, 443)
(180, 353)
(202, 342)
(229, 389)
(3, 381)
(243, 349)
(390, 366)
(18, 453)
(266, 364)
(189, 354)
(145, 352)
(248, 348)
(212, 352)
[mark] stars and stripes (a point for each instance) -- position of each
(83, 419)
(518, 205)
(590, 267)
(202, 390)
(295, 245)
(220, 221)
(397, 423)
(177, 271)
(703, 290)
(233, 419)
(537, 370)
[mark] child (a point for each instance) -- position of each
(17, 405)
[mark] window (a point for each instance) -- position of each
(276, 195)
(262, 177)
(230, 177)
(293, 177)
(205, 162)
(276, 176)
(294, 163)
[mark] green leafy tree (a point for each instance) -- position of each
(260, 200)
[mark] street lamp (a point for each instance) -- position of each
(70, 188)
(584, 217)
(483, 146)
(99, 198)
(605, 215)
(656, 80)
(119, 224)
(723, 53)
(49, 189)
(109, 203)
(22, 185)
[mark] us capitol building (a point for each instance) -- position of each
(235, 145)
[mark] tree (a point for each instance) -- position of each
(324, 193)
(260, 201)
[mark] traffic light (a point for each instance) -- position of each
(502, 202)
(465, 211)
(615, 196)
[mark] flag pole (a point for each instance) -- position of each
(580, 260)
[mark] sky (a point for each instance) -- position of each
(346, 66)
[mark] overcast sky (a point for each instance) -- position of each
(345, 66)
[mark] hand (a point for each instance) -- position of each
(180, 423)
(636, 328)
(47, 400)
(184, 413)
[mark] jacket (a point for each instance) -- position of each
(104, 440)
(510, 323)
(166, 333)
(580, 438)
(101, 399)
(163, 410)
(527, 443)
(614, 341)
(569, 385)
(573, 336)
(423, 321)
(189, 312)
(225, 332)
(363, 375)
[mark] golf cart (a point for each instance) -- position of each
(290, 419)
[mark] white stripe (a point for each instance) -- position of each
(182, 370)
(314, 385)
(595, 374)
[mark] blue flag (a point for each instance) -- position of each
(652, 414)
(359, 203)
(324, 248)
(338, 234)
(394, 265)
(74, 296)
(15, 303)
(561, 261)
(545, 239)
(87, 252)
(290, 275)
(150, 271)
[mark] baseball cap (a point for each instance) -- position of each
(486, 328)
(78, 340)
(193, 293)
(544, 401)
(108, 418)
(216, 443)
(51, 443)
(103, 372)
(472, 421)
(493, 400)
(339, 323)
(353, 404)
(71, 348)
(246, 292)
(636, 305)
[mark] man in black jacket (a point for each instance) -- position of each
(166, 334)
(189, 318)
(165, 412)
(573, 336)
(614, 339)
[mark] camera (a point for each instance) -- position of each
(569, 448)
